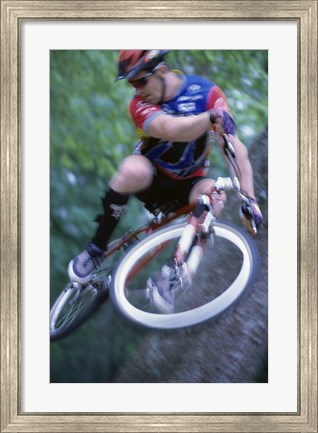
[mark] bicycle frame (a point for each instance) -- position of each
(154, 224)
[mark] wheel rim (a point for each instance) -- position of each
(190, 317)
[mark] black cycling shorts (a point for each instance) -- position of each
(165, 189)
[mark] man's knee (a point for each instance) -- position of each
(205, 186)
(135, 174)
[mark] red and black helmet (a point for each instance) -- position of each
(131, 62)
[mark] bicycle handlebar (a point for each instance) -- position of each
(233, 184)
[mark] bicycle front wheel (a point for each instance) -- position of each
(227, 269)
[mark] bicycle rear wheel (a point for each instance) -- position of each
(232, 255)
(73, 307)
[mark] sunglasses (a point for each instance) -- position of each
(140, 82)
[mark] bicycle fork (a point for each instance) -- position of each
(190, 247)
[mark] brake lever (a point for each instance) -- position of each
(247, 211)
(228, 146)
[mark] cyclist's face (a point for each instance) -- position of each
(148, 86)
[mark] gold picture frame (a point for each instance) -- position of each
(304, 13)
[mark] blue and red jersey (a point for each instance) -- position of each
(178, 159)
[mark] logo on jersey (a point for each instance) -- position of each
(194, 88)
(167, 109)
(190, 98)
(187, 107)
(143, 108)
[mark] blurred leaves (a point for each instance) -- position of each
(241, 74)
(90, 132)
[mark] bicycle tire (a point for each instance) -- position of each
(224, 232)
(66, 318)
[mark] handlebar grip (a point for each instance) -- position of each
(223, 184)
(226, 184)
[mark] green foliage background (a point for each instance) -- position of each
(90, 132)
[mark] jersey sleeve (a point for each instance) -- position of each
(217, 100)
(142, 112)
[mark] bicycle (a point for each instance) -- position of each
(181, 240)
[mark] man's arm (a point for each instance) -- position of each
(224, 123)
(182, 128)
(247, 182)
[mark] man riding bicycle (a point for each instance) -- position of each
(175, 115)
